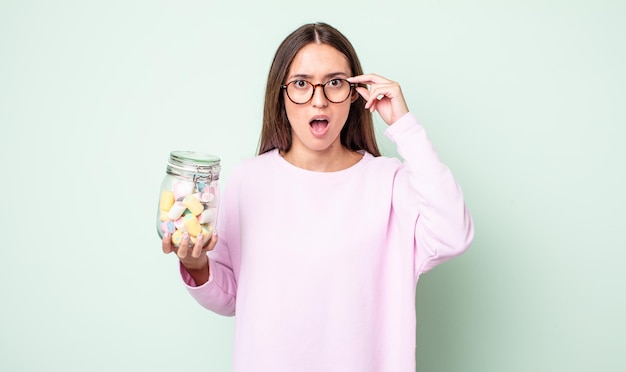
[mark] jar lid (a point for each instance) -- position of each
(189, 163)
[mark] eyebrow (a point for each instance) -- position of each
(327, 76)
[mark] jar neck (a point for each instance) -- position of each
(194, 166)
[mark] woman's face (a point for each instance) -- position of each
(316, 125)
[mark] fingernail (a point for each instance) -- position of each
(186, 236)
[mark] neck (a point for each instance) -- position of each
(333, 159)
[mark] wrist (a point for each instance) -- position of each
(198, 270)
(196, 265)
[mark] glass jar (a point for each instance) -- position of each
(189, 197)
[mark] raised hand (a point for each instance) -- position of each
(383, 96)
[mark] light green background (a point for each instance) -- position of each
(524, 100)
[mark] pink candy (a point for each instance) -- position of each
(182, 188)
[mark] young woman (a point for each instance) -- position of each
(322, 240)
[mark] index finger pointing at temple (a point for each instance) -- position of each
(367, 79)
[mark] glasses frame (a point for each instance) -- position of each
(323, 85)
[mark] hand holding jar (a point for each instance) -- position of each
(188, 205)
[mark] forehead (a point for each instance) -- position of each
(319, 60)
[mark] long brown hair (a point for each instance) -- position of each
(358, 132)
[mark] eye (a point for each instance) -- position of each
(335, 83)
(300, 84)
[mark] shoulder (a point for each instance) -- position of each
(255, 165)
(384, 162)
(376, 168)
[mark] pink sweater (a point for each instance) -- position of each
(320, 268)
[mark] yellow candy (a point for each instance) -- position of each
(192, 225)
(177, 237)
(167, 200)
(206, 234)
(193, 204)
(163, 216)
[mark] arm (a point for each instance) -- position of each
(218, 293)
(443, 225)
(425, 191)
(194, 261)
(207, 271)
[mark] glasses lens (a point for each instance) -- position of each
(337, 90)
(300, 91)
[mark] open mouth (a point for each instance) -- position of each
(319, 126)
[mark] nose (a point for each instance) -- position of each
(319, 97)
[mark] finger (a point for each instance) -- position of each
(364, 92)
(197, 248)
(184, 246)
(368, 79)
(370, 98)
(376, 94)
(167, 243)
(212, 242)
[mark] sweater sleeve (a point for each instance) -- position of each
(219, 293)
(425, 188)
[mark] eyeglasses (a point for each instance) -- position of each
(301, 92)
